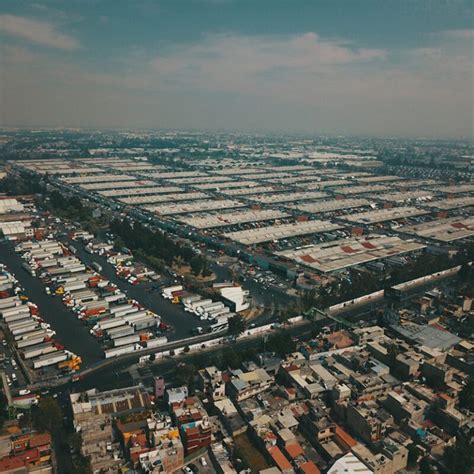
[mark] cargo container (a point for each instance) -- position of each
(124, 312)
(39, 350)
(24, 329)
(110, 323)
(130, 318)
(123, 341)
(10, 302)
(17, 318)
(121, 331)
(31, 341)
(120, 308)
(73, 286)
(117, 351)
(14, 311)
(21, 323)
(34, 333)
(159, 341)
(115, 297)
(145, 324)
(50, 359)
(213, 306)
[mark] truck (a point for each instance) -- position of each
(97, 267)
(29, 269)
(168, 291)
(50, 359)
(110, 323)
(10, 302)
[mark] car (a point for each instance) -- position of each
(203, 461)
(187, 469)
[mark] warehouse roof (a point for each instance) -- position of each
(281, 231)
(194, 206)
(232, 218)
(382, 215)
(345, 253)
(444, 230)
(332, 205)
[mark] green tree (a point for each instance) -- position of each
(47, 415)
(466, 396)
(237, 325)
(459, 459)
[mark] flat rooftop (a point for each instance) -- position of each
(457, 189)
(149, 199)
(383, 215)
(443, 230)
(194, 206)
(328, 206)
(249, 190)
(374, 188)
(117, 185)
(454, 203)
(225, 185)
(115, 193)
(289, 197)
(281, 231)
(345, 253)
(231, 218)
(98, 178)
(378, 179)
(404, 196)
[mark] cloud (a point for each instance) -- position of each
(466, 34)
(294, 82)
(36, 31)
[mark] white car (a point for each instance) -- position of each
(203, 461)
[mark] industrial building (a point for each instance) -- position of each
(281, 231)
(345, 253)
(443, 230)
(383, 215)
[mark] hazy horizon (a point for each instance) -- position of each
(374, 69)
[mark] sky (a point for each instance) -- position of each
(354, 67)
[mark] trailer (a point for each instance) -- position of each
(29, 269)
(16, 310)
(50, 359)
(38, 350)
(121, 331)
(10, 302)
(110, 323)
(35, 333)
(24, 329)
(30, 341)
(122, 341)
(145, 324)
(131, 318)
(120, 308)
(159, 341)
(117, 351)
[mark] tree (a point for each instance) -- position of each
(237, 325)
(47, 416)
(281, 343)
(459, 459)
(466, 396)
(185, 376)
(413, 454)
